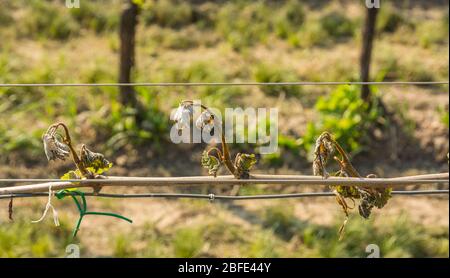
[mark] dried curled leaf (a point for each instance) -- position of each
(54, 149)
(211, 163)
(243, 163)
(94, 162)
(322, 152)
(376, 198)
(348, 191)
(205, 121)
(183, 115)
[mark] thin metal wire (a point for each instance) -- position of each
(222, 197)
(191, 84)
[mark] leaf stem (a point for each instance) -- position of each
(345, 161)
(68, 141)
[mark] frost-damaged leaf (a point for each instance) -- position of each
(205, 122)
(211, 163)
(323, 150)
(377, 198)
(94, 162)
(54, 149)
(183, 116)
(348, 191)
(243, 163)
(383, 197)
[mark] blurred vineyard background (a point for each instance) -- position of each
(226, 41)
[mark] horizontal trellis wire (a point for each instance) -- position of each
(191, 84)
(213, 197)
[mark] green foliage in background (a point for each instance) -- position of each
(289, 19)
(390, 19)
(433, 32)
(52, 20)
(49, 21)
(91, 17)
(282, 234)
(123, 126)
(122, 248)
(187, 242)
(312, 34)
(337, 24)
(345, 114)
(169, 13)
(244, 25)
(397, 237)
(444, 116)
(5, 17)
(203, 71)
(24, 239)
(266, 73)
(20, 142)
